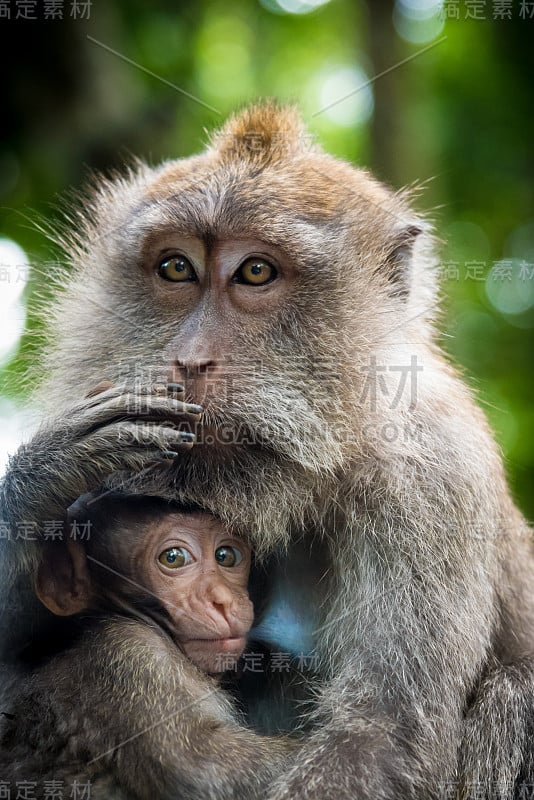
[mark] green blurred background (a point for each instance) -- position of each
(439, 94)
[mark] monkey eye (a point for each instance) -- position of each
(228, 556)
(176, 269)
(175, 557)
(255, 271)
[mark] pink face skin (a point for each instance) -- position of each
(199, 572)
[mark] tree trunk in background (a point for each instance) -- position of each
(384, 53)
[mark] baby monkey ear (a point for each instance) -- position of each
(63, 582)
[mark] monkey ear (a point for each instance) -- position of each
(63, 582)
(398, 260)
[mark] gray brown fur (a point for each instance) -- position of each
(123, 711)
(427, 614)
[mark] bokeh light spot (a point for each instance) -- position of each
(510, 286)
(293, 6)
(418, 21)
(345, 95)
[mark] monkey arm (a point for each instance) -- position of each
(403, 654)
(110, 432)
(139, 711)
(114, 431)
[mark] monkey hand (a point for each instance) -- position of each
(112, 430)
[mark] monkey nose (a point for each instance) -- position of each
(221, 597)
(197, 375)
(196, 365)
(221, 600)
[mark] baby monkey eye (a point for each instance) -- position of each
(228, 556)
(176, 269)
(255, 271)
(175, 557)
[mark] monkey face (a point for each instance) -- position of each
(229, 310)
(223, 298)
(199, 573)
(223, 312)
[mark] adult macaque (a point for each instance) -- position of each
(115, 706)
(295, 297)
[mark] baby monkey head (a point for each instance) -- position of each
(156, 561)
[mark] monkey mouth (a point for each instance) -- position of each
(213, 649)
(214, 656)
(225, 643)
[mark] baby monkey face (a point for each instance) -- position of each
(199, 572)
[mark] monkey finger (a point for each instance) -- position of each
(132, 447)
(171, 389)
(194, 409)
(113, 405)
(175, 388)
(184, 440)
(140, 434)
(138, 396)
(159, 389)
(168, 407)
(165, 407)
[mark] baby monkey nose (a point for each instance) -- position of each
(221, 598)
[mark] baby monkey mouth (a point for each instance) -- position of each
(228, 640)
(213, 648)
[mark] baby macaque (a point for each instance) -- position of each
(142, 554)
(126, 697)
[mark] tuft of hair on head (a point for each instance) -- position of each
(262, 133)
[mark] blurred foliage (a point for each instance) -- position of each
(456, 118)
